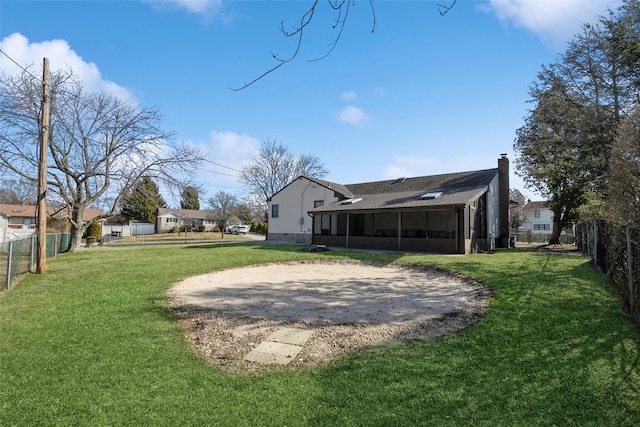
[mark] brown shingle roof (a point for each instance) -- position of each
(29, 211)
(457, 189)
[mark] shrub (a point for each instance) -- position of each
(94, 233)
(259, 227)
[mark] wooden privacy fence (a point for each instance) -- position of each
(615, 250)
(19, 256)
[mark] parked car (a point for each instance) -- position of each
(239, 229)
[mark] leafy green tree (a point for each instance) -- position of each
(554, 153)
(190, 199)
(566, 142)
(141, 202)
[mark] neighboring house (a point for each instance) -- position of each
(538, 218)
(167, 219)
(25, 216)
(452, 213)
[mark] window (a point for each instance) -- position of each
(274, 211)
(542, 226)
(317, 203)
(536, 214)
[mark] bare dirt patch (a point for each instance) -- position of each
(347, 306)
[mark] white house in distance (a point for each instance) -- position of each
(460, 212)
(167, 219)
(538, 218)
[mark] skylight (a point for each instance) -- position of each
(431, 195)
(351, 201)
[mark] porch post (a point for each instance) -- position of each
(399, 231)
(346, 239)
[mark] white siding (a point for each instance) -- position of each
(294, 201)
(542, 224)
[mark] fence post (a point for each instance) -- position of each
(595, 242)
(32, 252)
(8, 284)
(632, 299)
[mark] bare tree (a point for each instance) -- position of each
(516, 214)
(18, 192)
(341, 10)
(275, 167)
(223, 205)
(623, 205)
(99, 145)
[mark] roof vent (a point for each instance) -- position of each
(399, 180)
(351, 201)
(431, 195)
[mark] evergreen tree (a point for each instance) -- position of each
(244, 214)
(141, 202)
(190, 199)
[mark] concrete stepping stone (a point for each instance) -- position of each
(280, 348)
(292, 336)
(268, 353)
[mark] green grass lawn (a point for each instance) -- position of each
(94, 342)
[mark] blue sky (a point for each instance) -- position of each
(423, 94)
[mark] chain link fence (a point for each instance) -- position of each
(615, 250)
(18, 257)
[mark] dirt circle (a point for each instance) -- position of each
(346, 305)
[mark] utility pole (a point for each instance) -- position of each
(42, 171)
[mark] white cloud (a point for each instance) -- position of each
(354, 115)
(350, 96)
(556, 22)
(206, 9)
(412, 165)
(232, 149)
(61, 57)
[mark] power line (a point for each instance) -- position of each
(222, 166)
(19, 66)
(220, 173)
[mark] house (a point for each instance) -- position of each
(25, 216)
(538, 217)
(456, 213)
(167, 219)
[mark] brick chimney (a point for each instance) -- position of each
(503, 197)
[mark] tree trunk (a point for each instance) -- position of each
(554, 239)
(77, 228)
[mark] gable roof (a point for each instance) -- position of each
(340, 190)
(542, 204)
(30, 211)
(453, 189)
